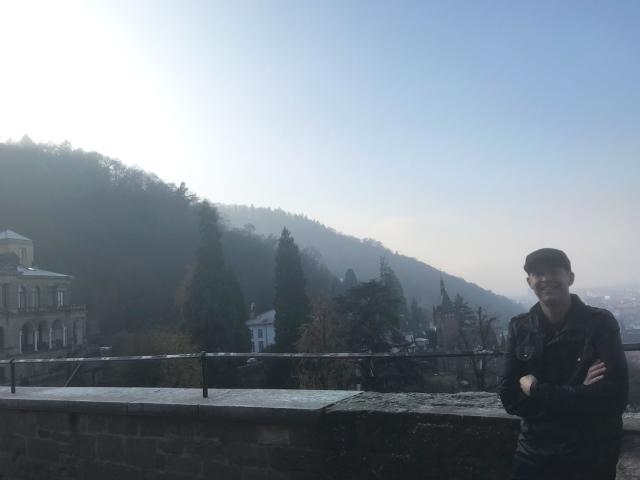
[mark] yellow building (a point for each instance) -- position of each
(37, 316)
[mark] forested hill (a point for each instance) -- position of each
(340, 251)
(128, 239)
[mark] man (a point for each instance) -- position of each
(565, 374)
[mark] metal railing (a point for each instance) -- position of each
(203, 356)
(51, 308)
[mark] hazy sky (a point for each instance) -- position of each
(465, 134)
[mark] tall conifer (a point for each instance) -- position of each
(389, 279)
(291, 301)
(214, 307)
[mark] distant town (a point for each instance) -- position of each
(623, 302)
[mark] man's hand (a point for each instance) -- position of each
(526, 383)
(596, 373)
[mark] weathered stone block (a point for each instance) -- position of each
(20, 423)
(140, 452)
(181, 428)
(244, 432)
(96, 424)
(108, 471)
(152, 427)
(306, 436)
(220, 470)
(171, 444)
(41, 449)
(84, 447)
(122, 425)
(173, 476)
(6, 463)
(20, 468)
(276, 475)
(183, 464)
(254, 473)
(273, 435)
(204, 447)
(40, 470)
(62, 437)
(13, 444)
(81, 423)
(110, 448)
(69, 463)
(58, 421)
(293, 459)
(246, 454)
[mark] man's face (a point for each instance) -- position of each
(550, 283)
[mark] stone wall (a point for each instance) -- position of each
(43, 445)
(400, 437)
(175, 434)
(168, 434)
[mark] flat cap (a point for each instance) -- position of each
(547, 256)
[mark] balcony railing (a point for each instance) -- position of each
(51, 308)
(43, 346)
(204, 356)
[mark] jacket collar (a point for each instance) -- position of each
(573, 321)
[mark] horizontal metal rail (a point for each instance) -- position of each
(203, 356)
(131, 358)
(629, 347)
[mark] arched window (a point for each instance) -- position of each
(58, 334)
(28, 338)
(43, 336)
(60, 298)
(22, 297)
(4, 296)
(35, 297)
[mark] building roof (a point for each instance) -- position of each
(36, 272)
(264, 319)
(11, 235)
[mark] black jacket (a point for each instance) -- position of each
(564, 421)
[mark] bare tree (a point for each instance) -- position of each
(326, 333)
(477, 335)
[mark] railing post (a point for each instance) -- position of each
(12, 368)
(205, 376)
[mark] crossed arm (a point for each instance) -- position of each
(604, 390)
(594, 374)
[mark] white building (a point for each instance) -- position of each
(263, 331)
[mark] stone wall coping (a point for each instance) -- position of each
(264, 405)
(467, 408)
(271, 406)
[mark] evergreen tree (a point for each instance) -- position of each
(389, 279)
(291, 302)
(214, 306)
(372, 310)
(350, 280)
(320, 282)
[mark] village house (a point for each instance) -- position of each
(263, 331)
